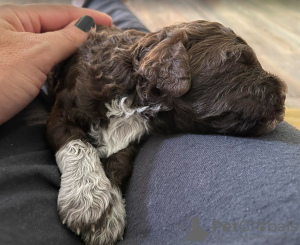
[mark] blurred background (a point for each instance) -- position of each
(271, 28)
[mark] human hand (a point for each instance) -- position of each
(34, 38)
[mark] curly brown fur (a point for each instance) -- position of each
(197, 77)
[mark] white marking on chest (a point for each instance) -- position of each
(126, 125)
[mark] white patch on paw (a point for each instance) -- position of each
(85, 191)
(111, 226)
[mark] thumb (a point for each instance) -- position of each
(65, 42)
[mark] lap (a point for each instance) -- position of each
(215, 181)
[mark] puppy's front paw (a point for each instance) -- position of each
(87, 202)
(85, 191)
(110, 227)
(82, 202)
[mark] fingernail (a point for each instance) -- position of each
(85, 23)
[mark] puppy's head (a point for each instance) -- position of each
(207, 80)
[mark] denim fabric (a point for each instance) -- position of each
(29, 184)
(121, 15)
(216, 178)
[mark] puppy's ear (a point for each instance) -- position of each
(165, 67)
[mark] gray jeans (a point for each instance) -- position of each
(213, 189)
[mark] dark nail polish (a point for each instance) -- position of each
(85, 23)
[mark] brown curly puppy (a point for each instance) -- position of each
(197, 77)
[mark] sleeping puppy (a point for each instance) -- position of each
(197, 77)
